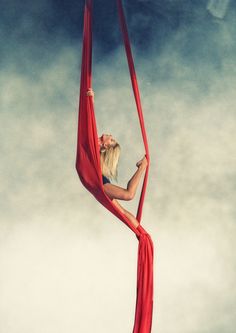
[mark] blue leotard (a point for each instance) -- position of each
(105, 179)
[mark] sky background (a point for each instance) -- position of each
(66, 263)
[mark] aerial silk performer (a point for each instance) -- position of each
(91, 148)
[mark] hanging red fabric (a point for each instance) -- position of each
(89, 169)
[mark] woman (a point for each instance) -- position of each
(109, 157)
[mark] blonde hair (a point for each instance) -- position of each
(109, 158)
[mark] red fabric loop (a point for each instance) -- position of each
(89, 169)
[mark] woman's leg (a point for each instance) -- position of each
(131, 218)
(129, 215)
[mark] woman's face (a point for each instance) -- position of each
(106, 140)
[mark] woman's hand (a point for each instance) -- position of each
(142, 163)
(90, 92)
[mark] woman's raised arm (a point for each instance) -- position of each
(90, 92)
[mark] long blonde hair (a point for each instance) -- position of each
(109, 158)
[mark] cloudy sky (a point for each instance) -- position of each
(67, 264)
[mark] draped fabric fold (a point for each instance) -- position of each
(89, 169)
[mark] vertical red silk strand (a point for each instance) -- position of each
(89, 169)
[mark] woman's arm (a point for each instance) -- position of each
(90, 92)
(126, 213)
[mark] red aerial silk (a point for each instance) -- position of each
(89, 169)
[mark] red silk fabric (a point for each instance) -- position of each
(89, 169)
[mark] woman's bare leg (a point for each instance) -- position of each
(129, 215)
(131, 218)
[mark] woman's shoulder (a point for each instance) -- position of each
(105, 179)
